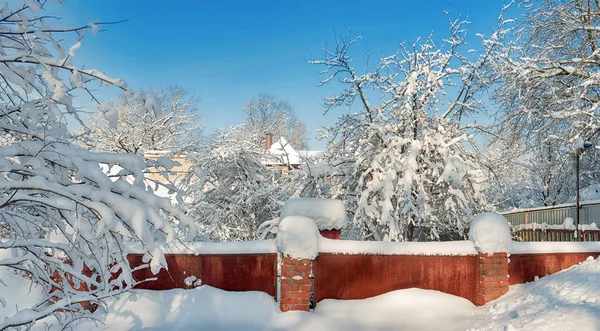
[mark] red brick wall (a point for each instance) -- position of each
(345, 276)
(524, 267)
(492, 280)
(231, 272)
(296, 284)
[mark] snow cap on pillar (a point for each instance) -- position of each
(490, 233)
(298, 238)
(328, 214)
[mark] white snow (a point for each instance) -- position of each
(396, 248)
(298, 237)
(568, 300)
(208, 308)
(490, 233)
(285, 152)
(591, 192)
(533, 247)
(16, 291)
(318, 169)
(192, 281)
(328, 214)
(236, 247)
(569, 223)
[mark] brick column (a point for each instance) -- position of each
(493, 277)
(296, 285)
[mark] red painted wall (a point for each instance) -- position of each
(339, 276)
(231, 272)
(331, 234)
(524, 267)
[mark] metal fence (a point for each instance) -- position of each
(588, 214)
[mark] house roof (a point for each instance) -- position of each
(283, 150)
(287, 154)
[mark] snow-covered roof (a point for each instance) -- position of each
(287, 153)
(282, 149)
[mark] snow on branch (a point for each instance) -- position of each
(63, 221)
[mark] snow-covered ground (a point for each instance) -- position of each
(569, 300)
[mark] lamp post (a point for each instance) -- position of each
(579, 149)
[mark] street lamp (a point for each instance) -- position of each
(580, 147)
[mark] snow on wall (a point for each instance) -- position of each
(298, 237)
(328, 214)
(533, 247)
(396, 248)
(490, 233)
(198, 248)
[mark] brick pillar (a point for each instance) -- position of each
(493, 277)
(296, 284)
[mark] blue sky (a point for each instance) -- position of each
(225, 52)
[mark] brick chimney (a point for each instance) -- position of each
(268, 141)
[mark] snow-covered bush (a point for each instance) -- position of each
(60, 212)
(236, 191)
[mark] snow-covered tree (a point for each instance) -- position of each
(525, 175)
(548, 92)
(59, 211)
(172, 123)
(402, 161)
(549, 83)
(236, 192)
(267, 114)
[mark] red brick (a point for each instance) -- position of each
(500, 272)
(288, 288)
(301, 307)
(490, 278)
(301, 281)
(286, 301)
(302, 268)
(493, 291)
(300, 295)
(306, 288)
(488, 285)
